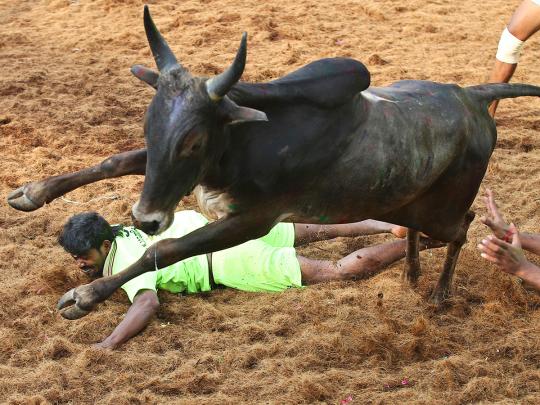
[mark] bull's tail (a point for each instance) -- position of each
(495, 91)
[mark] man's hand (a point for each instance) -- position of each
(509, 257)
(494, 219)
(105, 345)
(139, 315)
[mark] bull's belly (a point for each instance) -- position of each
(346, 193)
(330, 211)
(344, 198)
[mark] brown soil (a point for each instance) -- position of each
(67, 100)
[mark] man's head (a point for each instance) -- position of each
(87, 237)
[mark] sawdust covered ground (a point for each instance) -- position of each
(67, 100)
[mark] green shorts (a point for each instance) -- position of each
(265, 264)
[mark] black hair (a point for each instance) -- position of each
(83, 232)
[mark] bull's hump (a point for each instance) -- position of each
(212, 203)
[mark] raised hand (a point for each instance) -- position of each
(494, 219)
(508, 256)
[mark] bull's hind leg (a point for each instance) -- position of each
(442, 290)
(411, 270)
(34, 195)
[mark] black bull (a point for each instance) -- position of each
(331, 151)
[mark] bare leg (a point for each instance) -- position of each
(307, 233)
(411, 270)
(442, 290)
(502, 73)
(524, 22)
(361, 264)
(34, 195)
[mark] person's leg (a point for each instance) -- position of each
(363, 263)
(307, 233)
(502, 73)
(257, 266)
(524, 22)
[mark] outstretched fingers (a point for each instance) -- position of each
(487, 221)
(493, 210)
(516, 242)
(508, 256)
(494, 219)
(493, 248)
(496, 243)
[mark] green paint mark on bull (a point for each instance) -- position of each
(233, 207)
(323, 218)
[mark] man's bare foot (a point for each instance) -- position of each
(399, 231)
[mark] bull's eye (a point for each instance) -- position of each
(196, 147)
(192, 145)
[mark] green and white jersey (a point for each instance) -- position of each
(189, 275)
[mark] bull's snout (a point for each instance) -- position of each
(149, 228)
(150, 223)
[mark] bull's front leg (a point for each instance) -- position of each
(34, 195)
(219, 235)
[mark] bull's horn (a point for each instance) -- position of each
(219, 85)
(163, 55)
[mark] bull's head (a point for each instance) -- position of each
(184, 128)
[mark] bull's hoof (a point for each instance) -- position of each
(439, 296)
(409, 278)
(78, 302)
(411, 272)
(73, 312)
(20, 200)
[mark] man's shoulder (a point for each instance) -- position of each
(128, 246)
(185, 221)
(130, 234)
(190, 215)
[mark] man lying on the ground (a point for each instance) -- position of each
(266, 264)
(504, 247)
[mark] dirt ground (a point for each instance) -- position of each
(67, 101)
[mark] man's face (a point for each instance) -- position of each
(91, 263)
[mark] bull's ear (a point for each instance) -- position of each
(146, 75)
(244, 114)
(233, 113)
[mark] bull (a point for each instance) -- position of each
(316, 146)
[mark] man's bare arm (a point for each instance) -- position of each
(530, 242)
(145, 305)
(530, 274)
